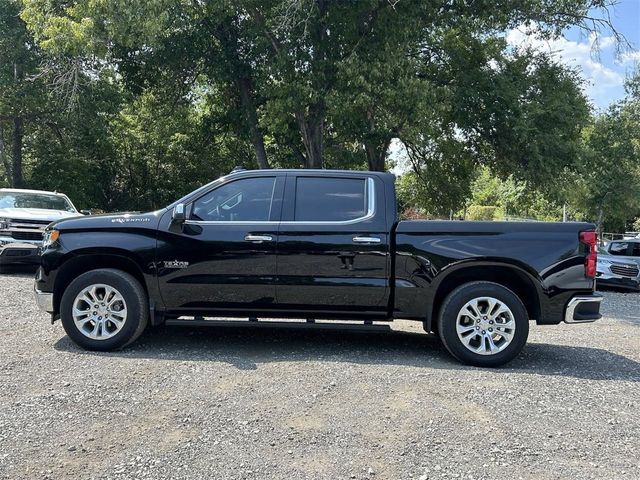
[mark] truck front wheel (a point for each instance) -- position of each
(104, 309)
(483, 324)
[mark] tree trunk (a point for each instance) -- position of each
(376, 155)
(312, 131)
(251, 117)
(600, 219)
(4, 159)
(16, 169)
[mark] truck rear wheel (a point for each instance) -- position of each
(104, 309)
(483, 324)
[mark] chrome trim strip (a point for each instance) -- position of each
(44, 300)
(371, 211)
(573, 304)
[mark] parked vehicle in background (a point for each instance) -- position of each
(24, 214)
(625, 250)
(316, 244)
(612, 271)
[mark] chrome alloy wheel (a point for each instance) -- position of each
(485, 325)
(99, 311)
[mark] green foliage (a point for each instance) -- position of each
(482, 212)
(129, 104)
(511, 198)
(606, 187)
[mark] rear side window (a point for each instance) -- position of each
(618, 248)
(329, 199)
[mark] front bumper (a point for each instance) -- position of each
(14, 251)
(44, 300)
(619, 282)
(583, 309)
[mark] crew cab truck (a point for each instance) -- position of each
(321, 244)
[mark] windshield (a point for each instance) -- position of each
(34, 200)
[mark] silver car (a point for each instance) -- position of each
(615, 270)
(24, 214)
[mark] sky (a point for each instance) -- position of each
(603, 69)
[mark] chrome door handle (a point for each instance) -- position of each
(366, 240)
(258, 238)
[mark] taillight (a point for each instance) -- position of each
(590, 239)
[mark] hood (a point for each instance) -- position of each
(109, 221)
(36, 214)
(619, 259)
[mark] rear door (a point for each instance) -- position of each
(333, 244)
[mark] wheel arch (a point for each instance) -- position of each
(83, 262)
(516, 279)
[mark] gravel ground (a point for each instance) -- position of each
(240, 403)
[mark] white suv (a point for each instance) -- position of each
(24, 214)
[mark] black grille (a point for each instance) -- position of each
(27, 235)
(625, 271)
(31, 222)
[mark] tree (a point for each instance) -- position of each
(346, 77)
(22, 93)
(606, 186)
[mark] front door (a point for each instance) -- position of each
(223, 257)
(333, 245)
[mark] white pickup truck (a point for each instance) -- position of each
(24, 214)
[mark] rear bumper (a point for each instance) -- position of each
(19, 252)
(583, 309)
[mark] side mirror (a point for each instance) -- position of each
(178, 215)
(85, 212)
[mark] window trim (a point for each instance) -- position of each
(190, 221)
(370, 192)
(370, 205)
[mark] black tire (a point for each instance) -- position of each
(136, 302)
(457, 299)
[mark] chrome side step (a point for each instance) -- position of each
(285, 324)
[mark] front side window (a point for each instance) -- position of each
(245, 200)
(329, 199)
(618, 248)
(636, 249)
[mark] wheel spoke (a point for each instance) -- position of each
(473, 311)
(508, 336)
(96, 327)
(492, 346)
(76, 312)
(491, 305)
(117, 322)
(463, 329)
(81, 322)
(499, 311)
(114, 299)
(108, 291)
(482, 348)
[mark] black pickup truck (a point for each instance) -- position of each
(315, 244)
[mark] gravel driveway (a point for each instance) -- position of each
(239, 403)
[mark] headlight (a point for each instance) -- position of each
(603, 262)
(4, 223)
(50, 237)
